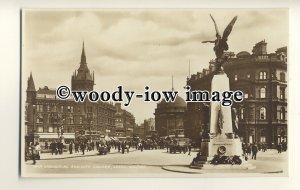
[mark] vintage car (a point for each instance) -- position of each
(179, 145)
(103, 150)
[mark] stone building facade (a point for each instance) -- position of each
(48, 118)
(262, 77)
(169, 117)
(125, 122)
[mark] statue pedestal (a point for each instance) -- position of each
(221, 147)
(226, 147)
(222, 151)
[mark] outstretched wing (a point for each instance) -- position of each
(228, 29)
(208, 41)
(216, 27)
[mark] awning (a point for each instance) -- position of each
(114, 138)
(55, 136)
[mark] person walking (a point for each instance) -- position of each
(123, 147)
(141, 146)
(53, 148)
(71, 147)
(60, 147)
(35, 152)
(254, 151)
(189, 148)
(76, 147)
(279, 148)
(127, 145)
(82, 147)
(119, 146)
(46, 145)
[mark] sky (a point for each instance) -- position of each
(138, 47)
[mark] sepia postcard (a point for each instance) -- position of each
(154, 92)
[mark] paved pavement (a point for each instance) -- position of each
(157, 163)
(67, 155)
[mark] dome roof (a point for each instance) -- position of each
(243, 54)
(178, 103)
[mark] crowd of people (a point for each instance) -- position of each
(57, 147)
(32, 151)
(251, 149)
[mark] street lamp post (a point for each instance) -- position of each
(33, 122)
(89, 123)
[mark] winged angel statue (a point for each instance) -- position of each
(221, 42)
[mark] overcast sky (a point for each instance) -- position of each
(135, 48)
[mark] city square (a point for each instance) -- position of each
(154, 163)
(247, 135)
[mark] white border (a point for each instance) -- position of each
(10, 89)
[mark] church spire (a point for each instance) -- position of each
(83, 57)
(83, 79)
(30, 83)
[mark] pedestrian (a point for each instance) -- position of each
(119, 146)
(248, 150)
(82, 147)
(27, 151)
(60, 147)
(263, 147)
(93, 145)
(254, 151)
(244, 148)
(127, 147)
(167, 145)
(33, 153)
(141, 146)
(36, 152)
(71, 147)
(76, 147)
(97, 145)
(46, 145)
(57, 147)
(123, 147)
(53, 147)
(279, 148)
(189, 148)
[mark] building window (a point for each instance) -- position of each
(263, 92)
(79, 109)
(282, 93)
(80, 120)
(89, 109)
(262, 113)
(71, 120)
(40, 129)
(262, 139)
(50, 129)
(246, 95)
(235, 77)
(48, 108)
(242, 114)
(70, 109)
(262, 75)
(248, 76)
(55, 108)
(282, 77)
(251, 139)
(39, 119)
(39, 108)
(282, 113)
(61, 108)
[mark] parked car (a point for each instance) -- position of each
(103, 150)
(179, 145)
